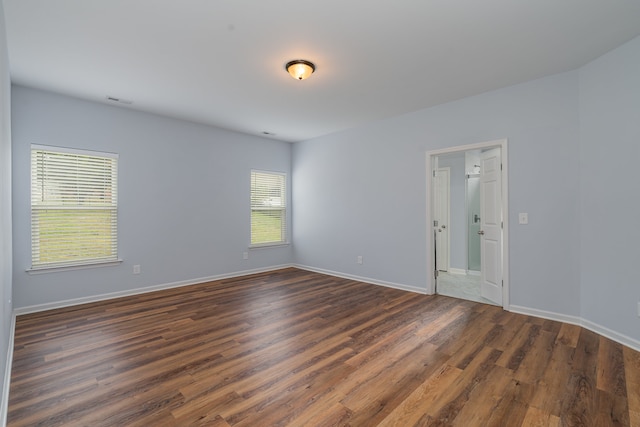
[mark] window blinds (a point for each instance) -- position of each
(268, 208)
(73, 207)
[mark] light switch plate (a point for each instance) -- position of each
(523, 218)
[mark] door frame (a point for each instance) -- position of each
(431, 161)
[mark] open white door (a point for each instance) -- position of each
(441, 203)
(491, 225)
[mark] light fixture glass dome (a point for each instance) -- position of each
(300, 69)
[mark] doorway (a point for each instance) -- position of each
(476, 249)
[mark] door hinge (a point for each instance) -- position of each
(434, 174)
(501, 224)
(500, 166)
(503, 283)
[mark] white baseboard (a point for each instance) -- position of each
(611, 334)
(575, 320)
(144, 290)
(362, 279)
(457, 271)
(4, 405)
(550, 315)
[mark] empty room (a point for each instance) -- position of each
(289, 213)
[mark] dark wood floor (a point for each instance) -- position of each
(294, 348)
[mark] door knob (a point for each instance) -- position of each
(444, 226)
(481, 232)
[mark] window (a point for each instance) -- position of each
(268, 208)
(73, 207)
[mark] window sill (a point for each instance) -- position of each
(43, 270)
(268, 245)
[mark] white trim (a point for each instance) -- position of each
(393, 285)
(579, 321)
(574, 320)
(268, 245)
(611, 334)
(4, 405)
(56, 269)
(430, 156)
(543, 314)
(144, 290)
(460, 271)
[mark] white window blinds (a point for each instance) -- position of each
(73, 207)
(268, 208)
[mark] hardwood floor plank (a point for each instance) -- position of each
(555, 377)
(568, 335)
(537, 418)
(445, 411)
(411, 410)
(372, 400)
(536, 359)
(632, 378)
(521, 345)
(296, 348)
(513, 407)
(202, 408)
(336, 415)
(484, 399)
(580, 404)
(610, 369)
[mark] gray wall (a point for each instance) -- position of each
(184, 205)
(5, 201)
(610, 189)
(183, 195)
(574, 157)
(363, 191)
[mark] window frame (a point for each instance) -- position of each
(110, 174)
(284, 209)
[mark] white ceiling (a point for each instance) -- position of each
(221, 62)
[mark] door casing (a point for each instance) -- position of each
(431, 158)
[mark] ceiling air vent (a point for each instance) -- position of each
(119, 100)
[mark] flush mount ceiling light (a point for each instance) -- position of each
(300, 69)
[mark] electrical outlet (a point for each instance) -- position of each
(359, 259)
(136, 269)
(245, 255)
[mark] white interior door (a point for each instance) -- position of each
(491, 225)
(441, 217)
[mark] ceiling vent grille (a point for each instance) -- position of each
(118, 100)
